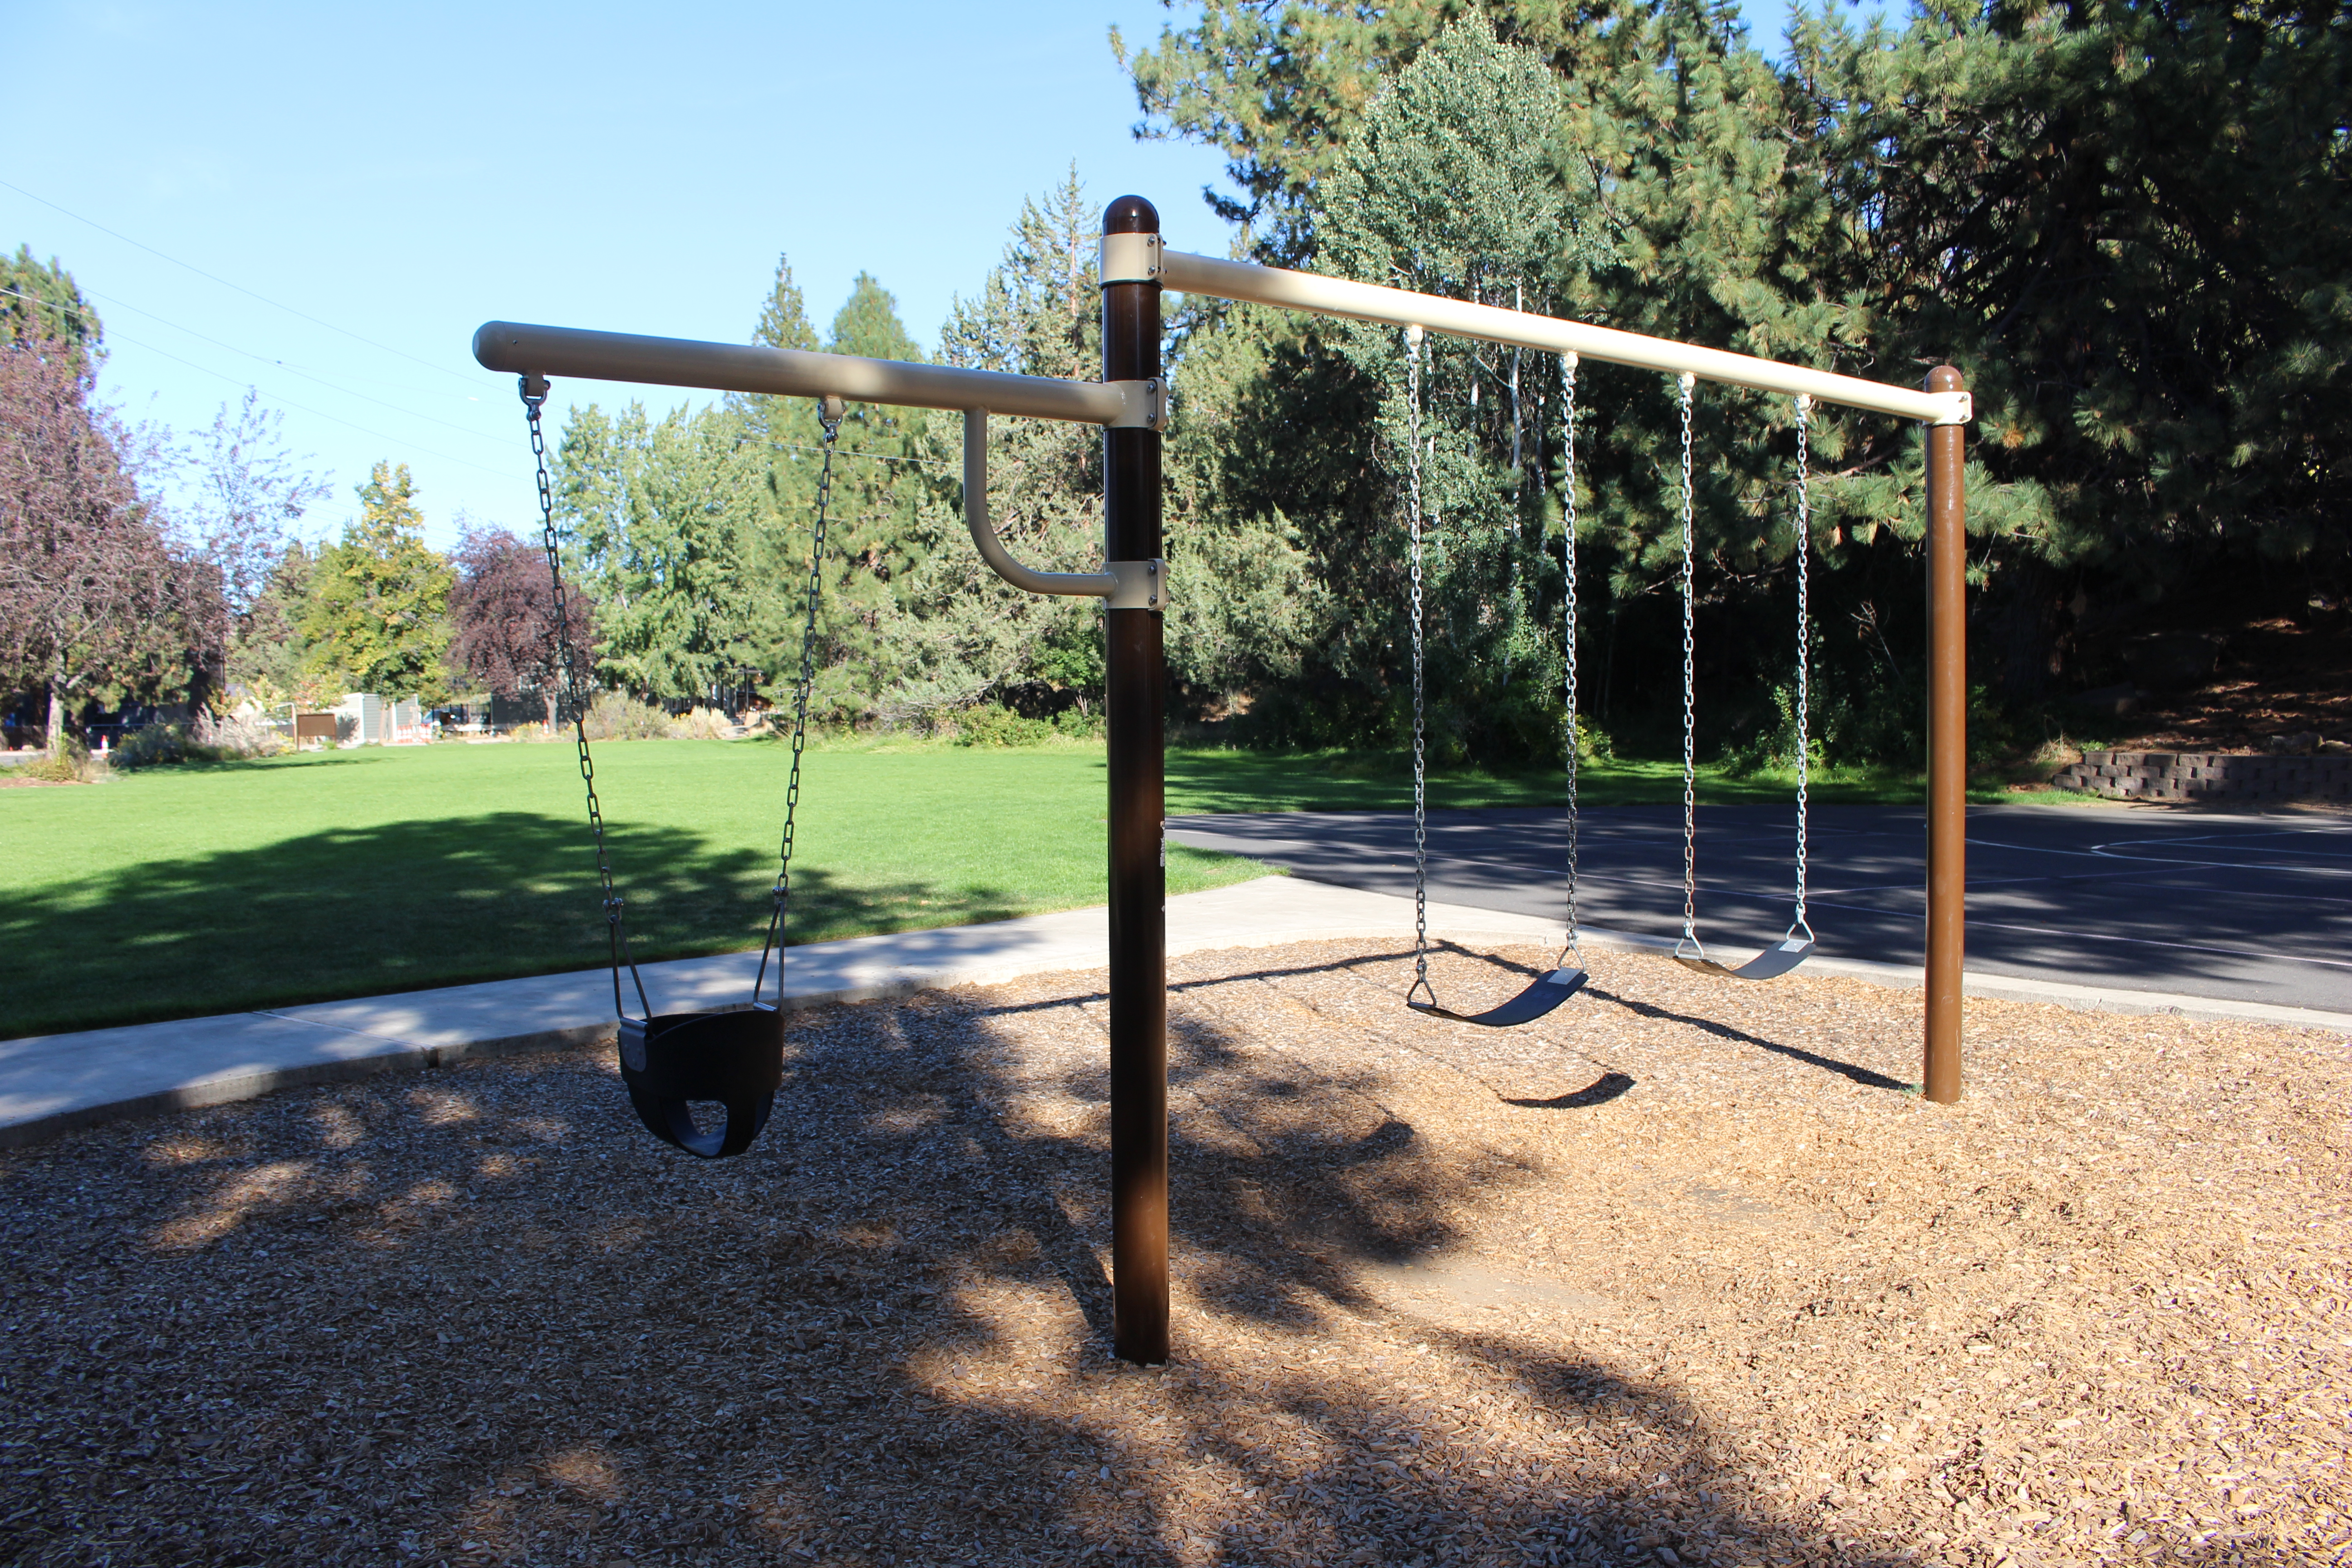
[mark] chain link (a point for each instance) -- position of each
(1690, 698)
(1568, 615)
(1804, 628)
(1413, 338)
(829, 416)
(534, 396)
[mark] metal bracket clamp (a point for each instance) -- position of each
(1142, 584)
(1146, 404)
(1964, 410)
(1133, 258)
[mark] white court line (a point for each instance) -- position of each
(2106, 936)
(1992, 925)
(2102, 852)
(2109, 850)
(2167, 881)
(2035, 848)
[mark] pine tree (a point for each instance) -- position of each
(970, 635)
(2126, 220)
(784, 443)
(874, 524)
(661, 514)
(2123, 220)
(377, 613)
(42, 301)
(1279, 89)
(1452, 187)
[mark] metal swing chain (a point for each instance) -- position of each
(1690, 701)
(828, 416)
(534, 396)
(1568, 425)
(1804, 554)
(1413, 336)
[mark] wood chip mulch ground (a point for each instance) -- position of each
(1682, 1274)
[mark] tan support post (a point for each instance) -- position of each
(1947, 745)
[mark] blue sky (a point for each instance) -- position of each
(365, 186)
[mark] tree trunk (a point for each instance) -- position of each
(57, 722)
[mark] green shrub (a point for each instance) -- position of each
(993, 724)
(233, 736)
(617, 716)
(1077, 726)
(153, 746)
(70, 766)
(1773, 747)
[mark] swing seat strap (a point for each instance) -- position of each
(1773, 963)
(1548, 993)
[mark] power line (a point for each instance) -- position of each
(289, 403)
(241, 287)
(249, 354)
(395, 408)
(331, 326)
(314, 412)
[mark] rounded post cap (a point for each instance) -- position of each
(1130, 214)
(1944, 378)
(489, 339)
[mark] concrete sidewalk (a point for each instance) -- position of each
(52, 1083)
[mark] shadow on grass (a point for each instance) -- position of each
(408, 905)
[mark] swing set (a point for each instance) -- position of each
(1563, 981)
(733, 1056)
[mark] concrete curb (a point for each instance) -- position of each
(2013, 988)
(58, 1083)
(221, 1089)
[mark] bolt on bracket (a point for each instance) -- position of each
(1133, 258)
(1147, 405)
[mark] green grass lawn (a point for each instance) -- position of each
(1201, 780)
(183, 891)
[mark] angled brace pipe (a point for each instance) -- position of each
(1127, 585)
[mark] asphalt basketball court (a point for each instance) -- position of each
(2249, 908)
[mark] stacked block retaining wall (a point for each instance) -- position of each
(2209, 776)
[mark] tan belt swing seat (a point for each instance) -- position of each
(1550, 989)
(1792, 948)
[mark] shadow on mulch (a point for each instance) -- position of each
(1864, 1075)
(478, 1317)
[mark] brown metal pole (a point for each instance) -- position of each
(1133, 705)
(1947, 745)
